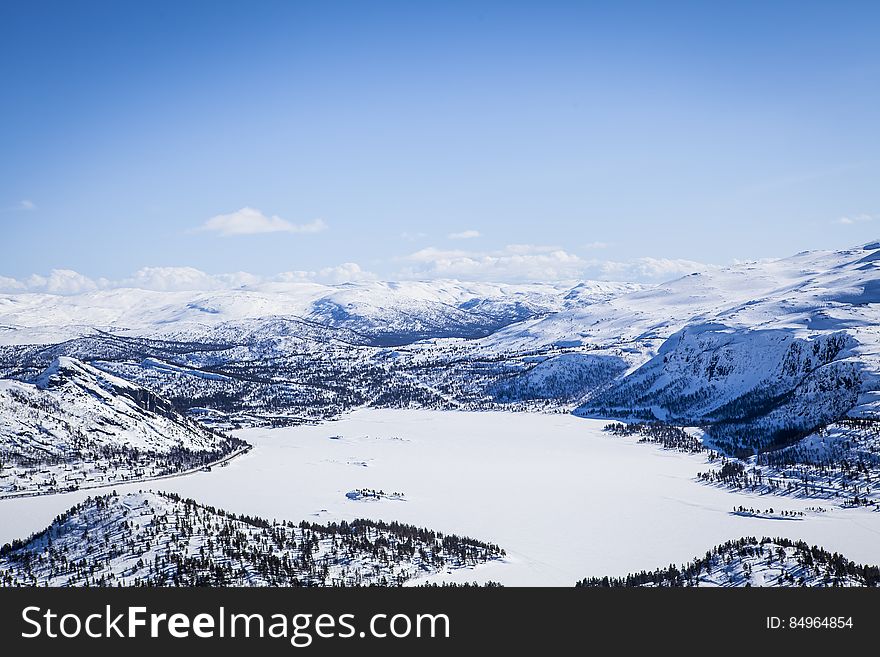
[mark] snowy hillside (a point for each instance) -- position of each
(758, 389)
(368, 313)
(562, 378)
(287, 353)
(160, 539)
(749, 562)
(812, 291)
(74, 426)
(764, 354)
(839, 462)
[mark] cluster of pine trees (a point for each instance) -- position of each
(87, 462)
(463, 585)
(807, 566)
(783, 513)
(854, 481)
(667, 435)
(372, 493)
(856, 448)
(169, 541)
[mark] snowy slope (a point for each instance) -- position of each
(73, 418)
(750, 562)
(765, 362)
(758, 388)
(72, 406)
(160, 539)
(812, 291)
(562, 378)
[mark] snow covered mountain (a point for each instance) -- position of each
(160, 539)
(751, 562)
(277, 352)
(761, 354)
(776, 365)
(74, 425)
(373, 313)
(762, 370)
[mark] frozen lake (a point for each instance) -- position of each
(562, 497)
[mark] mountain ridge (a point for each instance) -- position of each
(761, 353)
(74, 425)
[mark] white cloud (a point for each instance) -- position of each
(25, 205)
(531, 262)
(59, 281)
(464, 235)
(854, 219)
(11, 285)
(250, 221)
(185, 278)
(651, 269)
(517, 262)
(348, 272)
(177, 279)
(513, 263)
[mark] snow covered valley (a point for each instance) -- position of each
(565, 499)
(469, 409)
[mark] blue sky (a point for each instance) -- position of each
(474, 139)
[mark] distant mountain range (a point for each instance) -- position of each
(760, 354)
(371, 313)
(778, 358)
